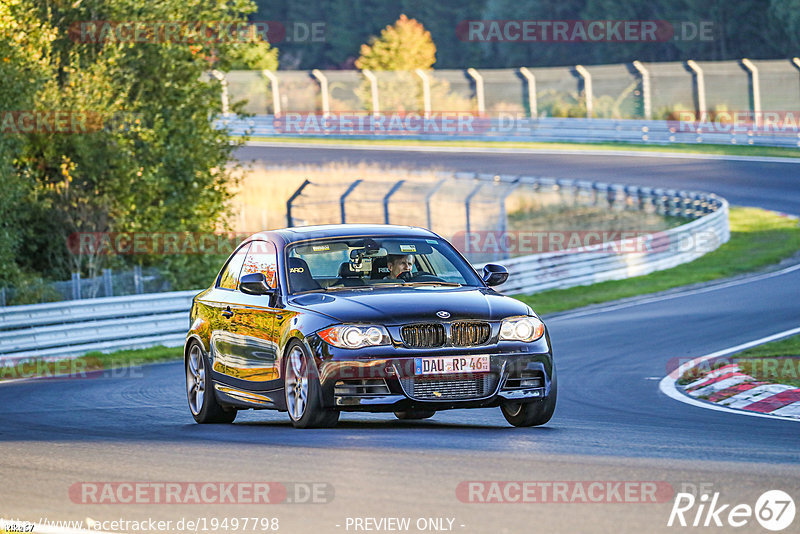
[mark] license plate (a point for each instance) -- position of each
(451, 364)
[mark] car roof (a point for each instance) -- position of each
(302, 233)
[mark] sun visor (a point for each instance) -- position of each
(320, 248)
(407, 247)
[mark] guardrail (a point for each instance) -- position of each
(652, 132)
(72, 328)
(621, 259)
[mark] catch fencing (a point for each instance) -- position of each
(110, 283)
(641, 102)
(636, 90)
(468, 205)
(461, 206)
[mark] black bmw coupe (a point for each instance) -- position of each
(378, 318)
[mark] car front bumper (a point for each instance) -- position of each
(382, 379)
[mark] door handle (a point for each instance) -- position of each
(227, 313)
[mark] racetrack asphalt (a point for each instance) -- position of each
(611, 423)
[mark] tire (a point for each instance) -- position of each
(200, 391)
(411, 415)
(303, 391)
(533, 413)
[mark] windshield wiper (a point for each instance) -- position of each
(448, 284)
(341, 288)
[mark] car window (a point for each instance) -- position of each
(262, 258)
(229, 279)
(362, 261)
(323, 264)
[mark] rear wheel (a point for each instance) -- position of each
(415, 414)
(533, 413)
(200, 392)
(302, 389)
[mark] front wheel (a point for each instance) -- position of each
(533, 413)
(200, 391)
(302, 388)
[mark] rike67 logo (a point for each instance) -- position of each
(774, 510)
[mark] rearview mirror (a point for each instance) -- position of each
(494, 274)
(255, 284)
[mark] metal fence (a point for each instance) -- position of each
(450, 204)
(460, 205)
(110, 283)
(621, 91)
(69, 329)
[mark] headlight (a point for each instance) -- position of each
(354, 336)
(521, 329)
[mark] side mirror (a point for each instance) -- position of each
(255, 284)
(494, 274)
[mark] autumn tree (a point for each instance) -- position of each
(401, 48)
(405, 45)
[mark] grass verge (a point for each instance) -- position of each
(759, 238)
(776, 362)
(682, 148)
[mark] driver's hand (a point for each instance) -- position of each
(405, 276)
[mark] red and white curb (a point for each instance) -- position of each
(730, 390)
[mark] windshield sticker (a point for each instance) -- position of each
(432, 241)
(320, 248)
(408, 248)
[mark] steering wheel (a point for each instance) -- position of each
(424, 277)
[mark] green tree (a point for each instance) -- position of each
(258, 55)
(157, 164)
(23, 61)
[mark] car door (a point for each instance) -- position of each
(228, 352)
(255, 319)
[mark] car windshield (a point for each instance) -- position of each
(366, 262)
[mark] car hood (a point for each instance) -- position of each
(411, 304)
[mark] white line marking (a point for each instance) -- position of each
(792, 410)
(670, 296)
(501, 150)
(667, 385)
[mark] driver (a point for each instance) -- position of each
(399, 264)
